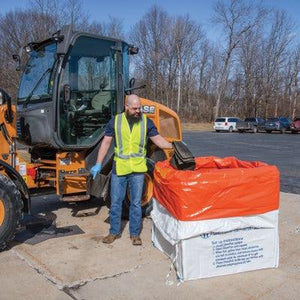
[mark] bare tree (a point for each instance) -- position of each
(63, 12)
(236, 19)
(276, 52)
(113, 28)
(250, 61)
(168, 60)
(295, 84)
(150, 35)
(186, 37)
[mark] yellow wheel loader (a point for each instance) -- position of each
(71, 85)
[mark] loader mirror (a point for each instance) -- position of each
(67, 93)
(133, 50)
(17, 59)
(4, 97)
(132, 87)
(131, 82)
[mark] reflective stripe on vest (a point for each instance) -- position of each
(130, 151)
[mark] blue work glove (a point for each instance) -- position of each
(96, 169)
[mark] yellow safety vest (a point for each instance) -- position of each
(130, 150)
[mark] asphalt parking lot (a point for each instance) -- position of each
(282, 150)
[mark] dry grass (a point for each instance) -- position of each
(197, 126)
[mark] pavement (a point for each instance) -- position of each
(80, 266)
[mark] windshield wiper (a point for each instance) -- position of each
(35, 87)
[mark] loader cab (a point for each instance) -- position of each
(70, 88)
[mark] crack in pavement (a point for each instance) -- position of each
(72, 288)
(51, 279)
(47, 277)
(69, 293)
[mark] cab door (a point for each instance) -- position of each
(90, 74)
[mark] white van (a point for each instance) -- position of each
(226, 124)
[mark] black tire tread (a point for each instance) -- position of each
(12, 196)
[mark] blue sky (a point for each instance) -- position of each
(131, 11)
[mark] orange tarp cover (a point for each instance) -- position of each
(217, 188)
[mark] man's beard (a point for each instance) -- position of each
(132, 118)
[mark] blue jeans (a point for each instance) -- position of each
(118, 188)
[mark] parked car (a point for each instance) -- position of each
(295, 125)
(225, 124)
(251, 124)
(281, 124)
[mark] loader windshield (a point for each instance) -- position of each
(90, 73)
(37, 79)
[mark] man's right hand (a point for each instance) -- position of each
(96, 169)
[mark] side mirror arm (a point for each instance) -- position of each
(129, 91)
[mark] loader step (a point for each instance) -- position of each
(75, 198)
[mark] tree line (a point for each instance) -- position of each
(252, 70)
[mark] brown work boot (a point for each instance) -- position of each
(136, 240)
(110, 238)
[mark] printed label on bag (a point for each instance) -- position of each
(232, 252)
(243, 249)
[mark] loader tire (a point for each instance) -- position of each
(11, 213)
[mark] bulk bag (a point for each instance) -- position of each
(217, 188)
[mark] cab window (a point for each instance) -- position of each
(37, 80)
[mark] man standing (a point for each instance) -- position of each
(130, 131)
